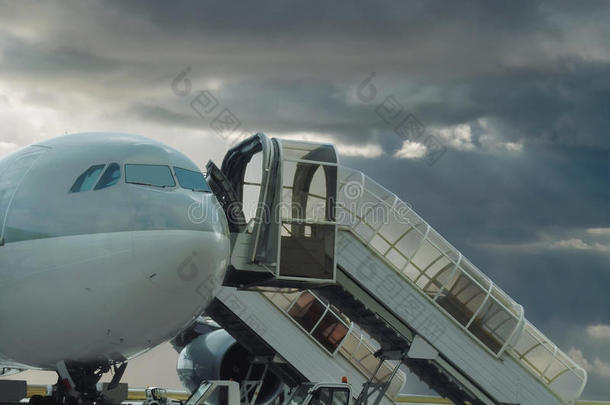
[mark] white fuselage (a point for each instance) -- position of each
(102, 274)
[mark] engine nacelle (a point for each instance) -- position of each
(217, 356)
(5, 371)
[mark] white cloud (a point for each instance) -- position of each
(366, 151)
(579, 358)
(572, 243)
(7, 147)
(369, 150)
(599, 331)
(24, 123)
(490, 141)
(599, 231)
(591, 239)
(461, 137)
(512, 146)
(586, 240)
(410, 150)
(597, 366)
(601, 368)
(457, 137)
(579, 244)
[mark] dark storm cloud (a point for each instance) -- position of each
(490, 202)
(570, 106)
(320, 18)
(283, 106)
(40, 59)
(481, 59)
(165, 116)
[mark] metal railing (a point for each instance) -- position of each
(355, 346)
(412, 248)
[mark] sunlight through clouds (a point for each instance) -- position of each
(369, 150)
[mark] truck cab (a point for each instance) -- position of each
(215, 393)
(228, 393)
(321, 394)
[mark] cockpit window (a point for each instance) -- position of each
(191, 180)
(110, 177)
(85, 181)
(149, 175)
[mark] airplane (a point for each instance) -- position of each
(110, 244)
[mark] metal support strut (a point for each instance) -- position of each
(250, 389)
(370, 388)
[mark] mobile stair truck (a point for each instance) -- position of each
(228, 393)
(333, 230)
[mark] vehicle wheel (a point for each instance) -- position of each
(36, 400)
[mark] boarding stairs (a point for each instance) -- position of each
(300, 337)
(358, 247)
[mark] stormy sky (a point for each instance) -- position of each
(515, 96)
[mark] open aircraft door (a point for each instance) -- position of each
(290, 239)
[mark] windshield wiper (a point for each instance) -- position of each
(148, 184)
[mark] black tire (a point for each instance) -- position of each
(36, 400)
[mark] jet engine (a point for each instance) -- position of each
(217, 356)
(5, 371)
